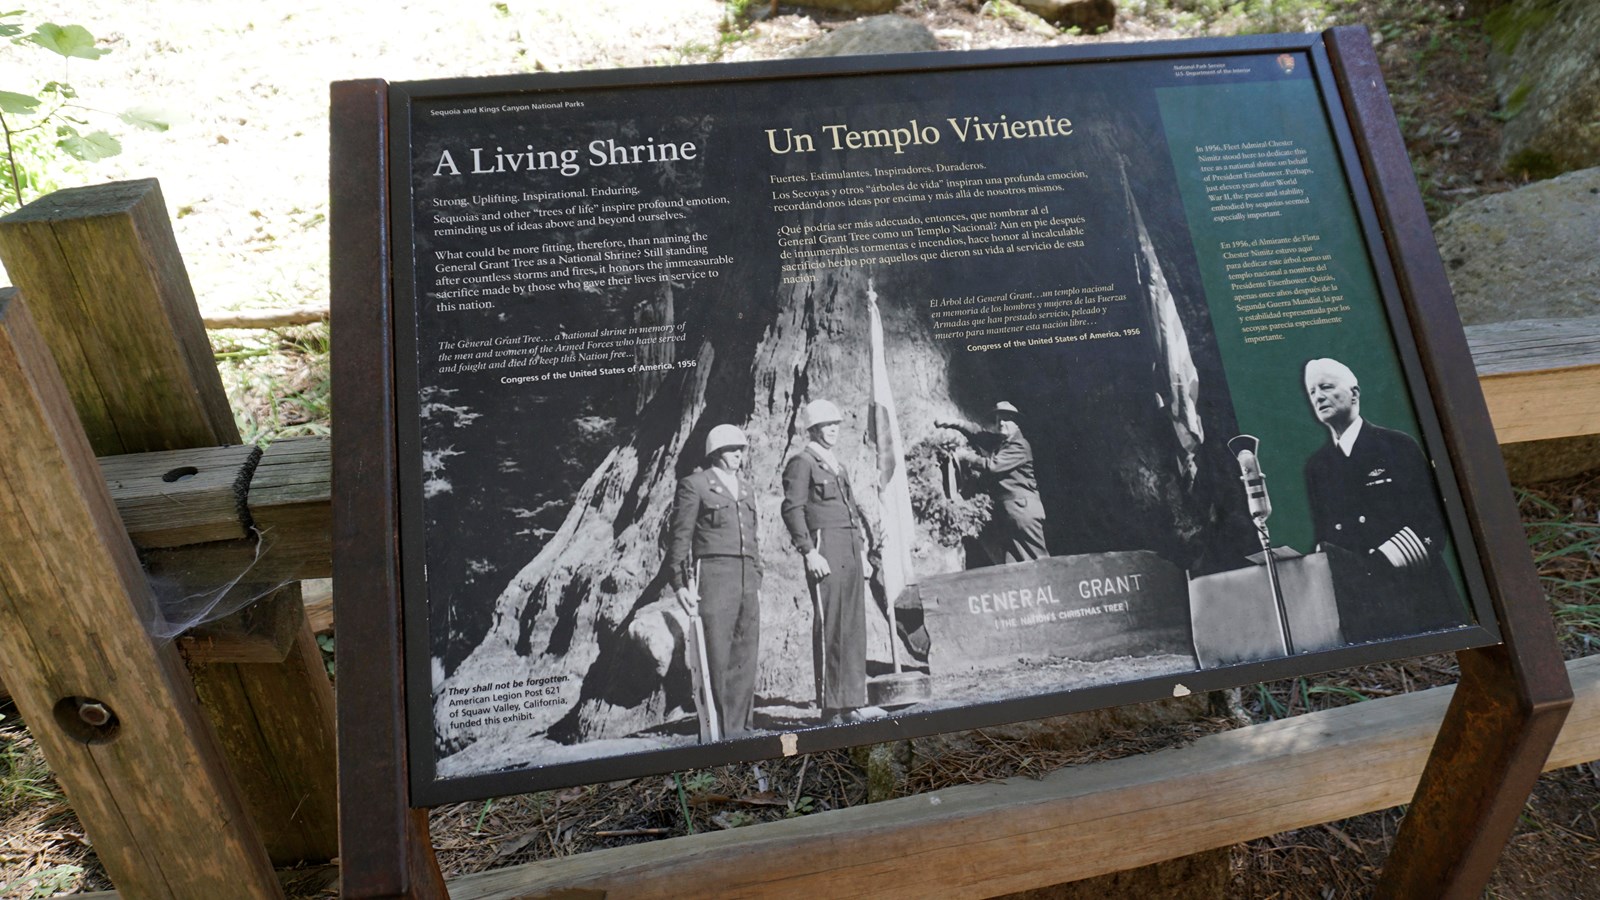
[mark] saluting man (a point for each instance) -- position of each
(714, 563)
(1372, 494)
(827, 528)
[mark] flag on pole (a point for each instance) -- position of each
(894, 491)
(1178, 381)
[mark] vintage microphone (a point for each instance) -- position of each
(1243, 448)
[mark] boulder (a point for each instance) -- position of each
(1532, 253)
(1543, 65)
(879, 34)
(1531, 461)
(1089, 16)
(1020, 18)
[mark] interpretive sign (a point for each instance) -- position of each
(763, 409)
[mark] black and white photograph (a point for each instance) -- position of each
(775, 411)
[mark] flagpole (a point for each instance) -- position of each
(894, 503)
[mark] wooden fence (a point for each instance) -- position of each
(197, 764)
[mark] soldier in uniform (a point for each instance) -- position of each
(1372, 497)
(714, 564)
(1015, 533)
(827, 528)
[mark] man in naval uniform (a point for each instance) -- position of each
(1015, 532)
(714, 564)
(826, 526)
(1372, 496)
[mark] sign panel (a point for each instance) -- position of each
(762, 409)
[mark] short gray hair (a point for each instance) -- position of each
(1324, 366)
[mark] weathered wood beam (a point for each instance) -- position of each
(100, 267)
(989, 839)
(1540, 377)
(268, 318)
(113, 710)
(174, 498)
(102, 273)
(296, 798)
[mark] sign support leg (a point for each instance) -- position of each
(1513, 698)
(384, 849)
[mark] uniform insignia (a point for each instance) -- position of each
(1375, 473)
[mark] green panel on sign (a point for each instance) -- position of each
(1285, 269)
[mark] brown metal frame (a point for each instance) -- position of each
(1501, 724)
(1512, 699)
(384, 849)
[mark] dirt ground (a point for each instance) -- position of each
(243, 171)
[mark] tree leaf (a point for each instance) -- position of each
(8, 29)
(61, 88)
(148, 119)
(18, 104)
(90, 147)
(67, 40)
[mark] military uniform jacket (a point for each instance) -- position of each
(1382, 490)
(708, 521)
(816, 497)
(1009, 470)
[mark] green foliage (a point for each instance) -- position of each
(325, 644)
(51, 882)
(700, 782)
(1566, 551)
(24, 775)
(73, 41)
(278, 382)
(1508, 24)
(44, 126)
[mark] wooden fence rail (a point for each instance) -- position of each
(988, 839)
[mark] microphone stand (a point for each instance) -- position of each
(1244, 448)
(1272, 580)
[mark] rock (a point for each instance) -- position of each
(886, 766)
(1025, 19)
(1531, 253)
(1531, 461)
(859, 6)
(879, 34)
(1543, 64)
(1090, 16)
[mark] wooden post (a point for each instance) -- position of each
(113, 710)
(101, 270)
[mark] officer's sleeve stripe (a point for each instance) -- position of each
(1408, 549)
(1415, 551)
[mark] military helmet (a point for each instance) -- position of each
(724, 436)
(821, 412)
